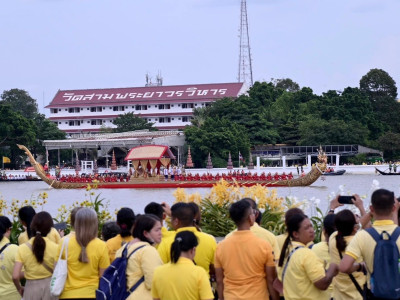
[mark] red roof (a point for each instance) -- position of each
(93, 97)
(149, 152)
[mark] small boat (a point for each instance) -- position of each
(155, 157)
(334, 173)
(386, 173)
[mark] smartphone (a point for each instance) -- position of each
(346, 199)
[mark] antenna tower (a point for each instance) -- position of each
(245, 73)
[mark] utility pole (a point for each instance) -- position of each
(245, 73)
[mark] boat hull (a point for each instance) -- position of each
(339, 172)
(386, 173)
(159, 182)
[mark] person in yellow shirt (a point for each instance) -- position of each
(244, 263)
(280, 239)
(384, 208)
(182, 216)
(161, 211)
(125, 220)
(321, 249)
(7, 259)
(37, 256)
(343, 287)
(303, 274)
(26, 215)
(181, 279)
(142, 263)
(87, 257)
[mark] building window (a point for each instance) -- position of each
(74, 110)
(119, 108)
(54, 110)
(96, 109)
(164, 120)
(185, 119)
(187, 105)
(164, 106)
(74, 123)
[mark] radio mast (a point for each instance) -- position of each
(245, 73)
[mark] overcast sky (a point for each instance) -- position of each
(48, 45)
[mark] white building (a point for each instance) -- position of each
(169, 107)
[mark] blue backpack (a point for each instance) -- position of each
(385, 279)
(112, 285)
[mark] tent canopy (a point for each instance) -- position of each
(149, 152)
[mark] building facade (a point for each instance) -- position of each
(168, 107)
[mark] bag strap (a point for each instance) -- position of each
(375, 235)
(65, 243)
(358, 287)
(395, 234)
(141, 280)
(4, 247)
(43, 263)
(287, 261)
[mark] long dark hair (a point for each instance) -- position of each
(40, 227)
(344, 221)
(26, 215)
(5, 224)
(184, 241)
(144, 223)
(125, 220)
(292, 224)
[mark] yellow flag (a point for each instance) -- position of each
(6, 160)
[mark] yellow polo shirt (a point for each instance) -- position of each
(83, 278)
(362, 246)
(7, 259)
(204, 251)
(265, 235)
(142, 263)
(181, 281)
(53, 236)
(33, 269)
(115, 243)
(322, 251)
(343, 287)
(304, 268)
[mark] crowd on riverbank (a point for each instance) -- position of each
(250, 263)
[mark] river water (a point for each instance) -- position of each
(137, 199)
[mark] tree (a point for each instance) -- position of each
(15, 129)
(378, 83)
(217, 137)
(45, 130)
(382, 93)
(286, 84)
(21, 102)
(132, 122)
(390, 144)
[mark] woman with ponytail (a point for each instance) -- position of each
(26, 214)
(37, 256)
(343, 287)
(303, 273)
(125, 221)
(7, 259)
(181, 279)
(87, 257)
(143, 258)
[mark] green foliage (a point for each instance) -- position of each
(273, 221)
(390, 144)
(318, 224)
(21, 102)
(132, 122)
(215, 218)
(359, 159)
(217, 137)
